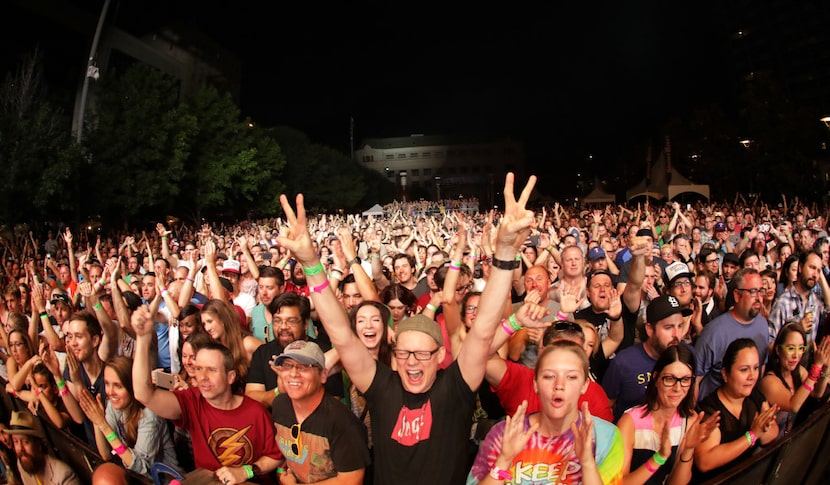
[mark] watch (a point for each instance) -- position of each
(505, 265)
(355, 260)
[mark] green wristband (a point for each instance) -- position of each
(111, 437)
(98, 306)
(658, 458)
(248, 470)
(514, 323)
(276, 391)
(314, 269)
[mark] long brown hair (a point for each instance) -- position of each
(232, 338)
(123, 367)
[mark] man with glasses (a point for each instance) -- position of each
(630, 371)
(742, 321)
(420, 415)
(289, 319)
(232, 435)
(319, 436)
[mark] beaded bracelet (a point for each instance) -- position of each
(316, 269)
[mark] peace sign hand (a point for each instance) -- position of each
(516, 223)
(297, 239)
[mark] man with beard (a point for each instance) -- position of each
(800, 302)
(298, 283)
(35, 465)
(742, 321)
(290, 317)
(630, 371)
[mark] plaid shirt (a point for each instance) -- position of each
(790, 306)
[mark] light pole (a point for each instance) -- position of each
(91, 70)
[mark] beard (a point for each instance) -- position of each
(298, 280)
(32, 464)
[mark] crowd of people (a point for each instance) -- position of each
(622, 344)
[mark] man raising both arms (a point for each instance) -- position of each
(420, 415)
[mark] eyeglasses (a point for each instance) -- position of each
(563, 326)
(464, 289)
(670, 381)
(752, 291)
(289, 367)
(295, 435)
(792, 349)
(471, 309)
(681, 283)
(419, 354)
(710, 261)
(291, 322)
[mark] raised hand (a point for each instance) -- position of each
(163, 232)
(515, 437)
(822, 354)
(92, 407)
(699, 427)
(517, 220)
(141, 321)
(584, 436)
(297, 239)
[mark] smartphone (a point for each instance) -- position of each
(534, 240)
(265, 255)
(688, 207)
(166, 380)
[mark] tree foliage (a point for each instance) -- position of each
(37, 152)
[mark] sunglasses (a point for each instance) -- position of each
(792, 349)
(297, 443)
(563, 326)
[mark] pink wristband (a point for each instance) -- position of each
(320, 288)
(650, 467)
(507, 328)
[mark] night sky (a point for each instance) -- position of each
(568, 80)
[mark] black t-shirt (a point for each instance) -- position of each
(420, 438)
(332, 440)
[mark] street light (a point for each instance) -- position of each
(826, 121)
(746, 143)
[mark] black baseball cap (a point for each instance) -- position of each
(663, 307)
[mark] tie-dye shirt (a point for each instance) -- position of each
(552, 460)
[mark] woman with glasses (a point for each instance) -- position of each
(787, 383)
(747, 420)
(666, 425)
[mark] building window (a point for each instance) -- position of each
(427, 171)
(368, 158)
(415, 172)
(413, 155)
(390, 156)
(401, 155)
(425, 155)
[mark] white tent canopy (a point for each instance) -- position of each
(665, 184)
(375, 210)
(599, 196)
